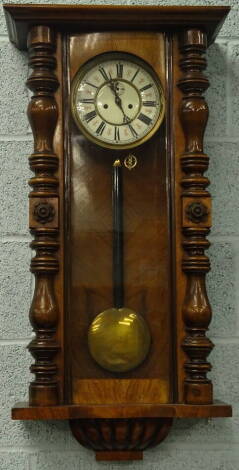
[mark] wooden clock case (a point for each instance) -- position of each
(119, 416)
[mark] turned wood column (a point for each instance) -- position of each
(196, 219)
(43, 113)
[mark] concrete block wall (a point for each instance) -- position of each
(193, 444)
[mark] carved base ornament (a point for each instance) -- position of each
(120, 214)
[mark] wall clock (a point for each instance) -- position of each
(120, 214)
(108, 91)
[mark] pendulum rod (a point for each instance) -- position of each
(118, 239)
(118, 338)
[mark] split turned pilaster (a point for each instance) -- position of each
(43, 114)
(196, 219)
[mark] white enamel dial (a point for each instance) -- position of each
(117, 100)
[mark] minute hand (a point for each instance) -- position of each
(118, 102)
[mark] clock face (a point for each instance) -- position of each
(117, 100)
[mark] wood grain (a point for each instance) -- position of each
(174, 410)
(120, 390)
(147, 45)
(58, 145)
(178, 145)
(146, 241)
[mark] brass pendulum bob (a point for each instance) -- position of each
(118, 338)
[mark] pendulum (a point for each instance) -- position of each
(118, 338)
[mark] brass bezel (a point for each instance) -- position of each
(98, 59)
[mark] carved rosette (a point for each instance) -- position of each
(43, 113)
(195, 217)
(43, 212)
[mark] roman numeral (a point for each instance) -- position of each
(117, 134)
(91, 84)
(133, 131)
(149, 103)
(89, 116)
(101, 128)
(103, 73)
(146, 87)
(119, 70)
(135, 75)
(87, 100)
(142, 117)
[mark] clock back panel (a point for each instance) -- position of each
(147, 244)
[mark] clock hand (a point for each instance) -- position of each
(118, 100)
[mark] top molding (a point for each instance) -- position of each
(80, 18)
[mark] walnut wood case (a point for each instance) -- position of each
(167, 221)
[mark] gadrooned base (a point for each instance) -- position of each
(120, 435)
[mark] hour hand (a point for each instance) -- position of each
(119, 104)
(126, 119)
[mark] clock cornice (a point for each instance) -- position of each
(20, 18)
